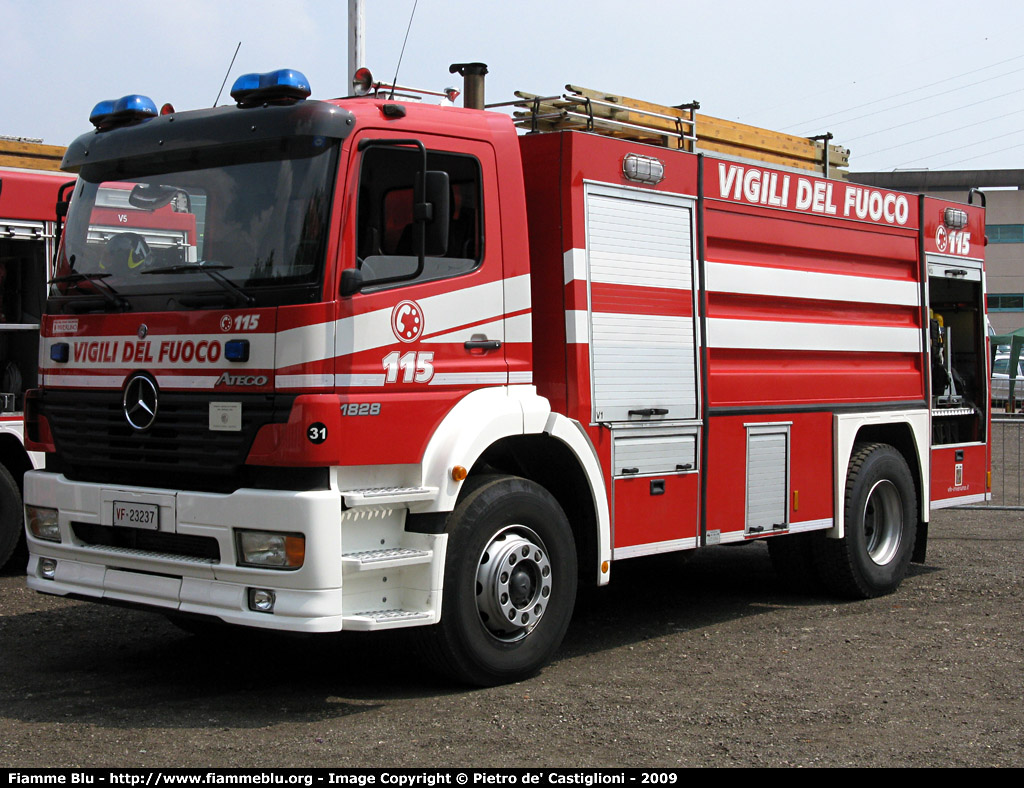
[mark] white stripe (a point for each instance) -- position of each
(364, 332)
(519, 328)
(468, 378)
(470, 306)
(305, 344)
(654, 548)
(353, 381)
(189, 381)
(810, 525)
(520, 377)
(84, 381)
(304, 381)
(785, 283)
(577, 327)
(961, 501)
(574, 264)
(517, 293)
(774, 335)
(492, 330)
(444, 312)
(261, 350)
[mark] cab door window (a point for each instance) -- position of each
(387, 239)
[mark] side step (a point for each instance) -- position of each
(386, 496)
(384, 619)
(385, 559)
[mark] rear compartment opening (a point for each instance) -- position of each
(959, 382)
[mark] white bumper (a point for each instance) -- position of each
(361, 570)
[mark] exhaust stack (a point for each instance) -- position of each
(473, 83)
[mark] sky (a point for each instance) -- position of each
(903, 84)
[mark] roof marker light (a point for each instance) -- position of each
(643, 169)
(126, 110)
(954, 218)
(282, 86)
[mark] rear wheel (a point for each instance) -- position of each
(510, 584)
(880, 526)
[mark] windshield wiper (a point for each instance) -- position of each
(104, 289)
(212, 270)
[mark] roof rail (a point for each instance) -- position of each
(364, 85)
(678, 127)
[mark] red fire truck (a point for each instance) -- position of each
(27, 217)
(416, 370)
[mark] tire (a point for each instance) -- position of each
(793, 560)
(509, 584)
(880, 526)
(12, 516)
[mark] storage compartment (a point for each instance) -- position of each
(959, 383)
(654, 450)
(767, 478)
(23, 288)
(640, 252)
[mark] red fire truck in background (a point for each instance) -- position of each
(407, 368)
(27, 231)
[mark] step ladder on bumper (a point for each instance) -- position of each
(391, 578)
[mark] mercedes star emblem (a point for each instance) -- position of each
(140, 402)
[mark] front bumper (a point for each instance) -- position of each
(339, 586)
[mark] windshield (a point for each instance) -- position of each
(249, 220)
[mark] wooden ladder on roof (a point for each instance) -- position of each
(679, 127)
(30, 154)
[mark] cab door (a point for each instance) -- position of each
(413, 342)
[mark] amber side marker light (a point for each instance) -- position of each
(459, 473)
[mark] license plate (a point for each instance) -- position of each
(136, 515)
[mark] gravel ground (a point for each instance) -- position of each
(699, 661)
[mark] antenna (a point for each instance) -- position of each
(402, 53)
(227, 73)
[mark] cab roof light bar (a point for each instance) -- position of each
(124, 111)
(284, 86)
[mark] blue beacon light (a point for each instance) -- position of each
(132, 108)
(283, 84)
(236, 350)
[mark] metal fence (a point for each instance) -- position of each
(1007, 458)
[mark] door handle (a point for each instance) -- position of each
(482, 344)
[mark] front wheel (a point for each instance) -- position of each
(880, 526)
(510, 584)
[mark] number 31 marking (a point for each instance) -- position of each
(415, 367)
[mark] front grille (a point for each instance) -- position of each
(95, 443)
(155, 543)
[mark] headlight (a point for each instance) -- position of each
(271, 550)
(42, 523)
